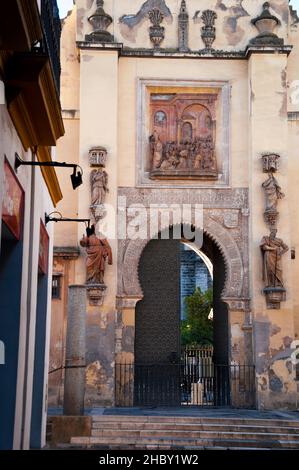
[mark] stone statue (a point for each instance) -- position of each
(98, 250)
(273, 192)
(273, 248)
(157, 150)
(99, 186)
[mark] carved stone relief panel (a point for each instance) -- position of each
(183, 134)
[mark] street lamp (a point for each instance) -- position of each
(48, 218)
(76, 176)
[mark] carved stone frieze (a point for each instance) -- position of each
(182, 143)
(208, 31)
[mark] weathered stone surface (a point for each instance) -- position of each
(66, 427)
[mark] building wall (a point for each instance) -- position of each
(258, 106)
(37, 203)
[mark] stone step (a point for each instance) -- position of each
(146, 443)
(194, 420)
(98, 426)
(153, 447)
(193, 434)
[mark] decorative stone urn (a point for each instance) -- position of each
(157, 32)
(100, 22)
(265, 24)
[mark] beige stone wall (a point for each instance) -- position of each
(274, 329)
(132, 69)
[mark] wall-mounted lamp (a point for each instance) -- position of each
(76, 177)
(48, 218)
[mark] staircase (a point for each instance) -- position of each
(190, 433)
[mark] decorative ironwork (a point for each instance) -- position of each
(200, 383)
(52, 32)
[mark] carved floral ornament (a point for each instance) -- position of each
(157, 32)
(208, 31)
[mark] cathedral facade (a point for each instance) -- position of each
(165, 106)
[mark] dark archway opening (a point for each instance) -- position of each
(161, 377)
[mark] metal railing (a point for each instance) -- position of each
(52, 32)
(184, 384)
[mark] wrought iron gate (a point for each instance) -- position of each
(183, 384)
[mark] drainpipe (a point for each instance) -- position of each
(28, 302)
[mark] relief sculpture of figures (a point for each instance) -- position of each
(157, 148)
(183, 136)
(273, 248)
(273, 192)
(98, 252)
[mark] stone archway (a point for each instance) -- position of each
(221, 237)
(225, 222)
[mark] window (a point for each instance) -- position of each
(56, 286)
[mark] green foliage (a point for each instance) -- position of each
(197, 329)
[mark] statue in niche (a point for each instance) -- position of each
(273, 193)
(157, 150)
(98, 251)
(99, 187)
(273, 248)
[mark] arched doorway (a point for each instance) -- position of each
(161, 375)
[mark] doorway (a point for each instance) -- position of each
(163, 374)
